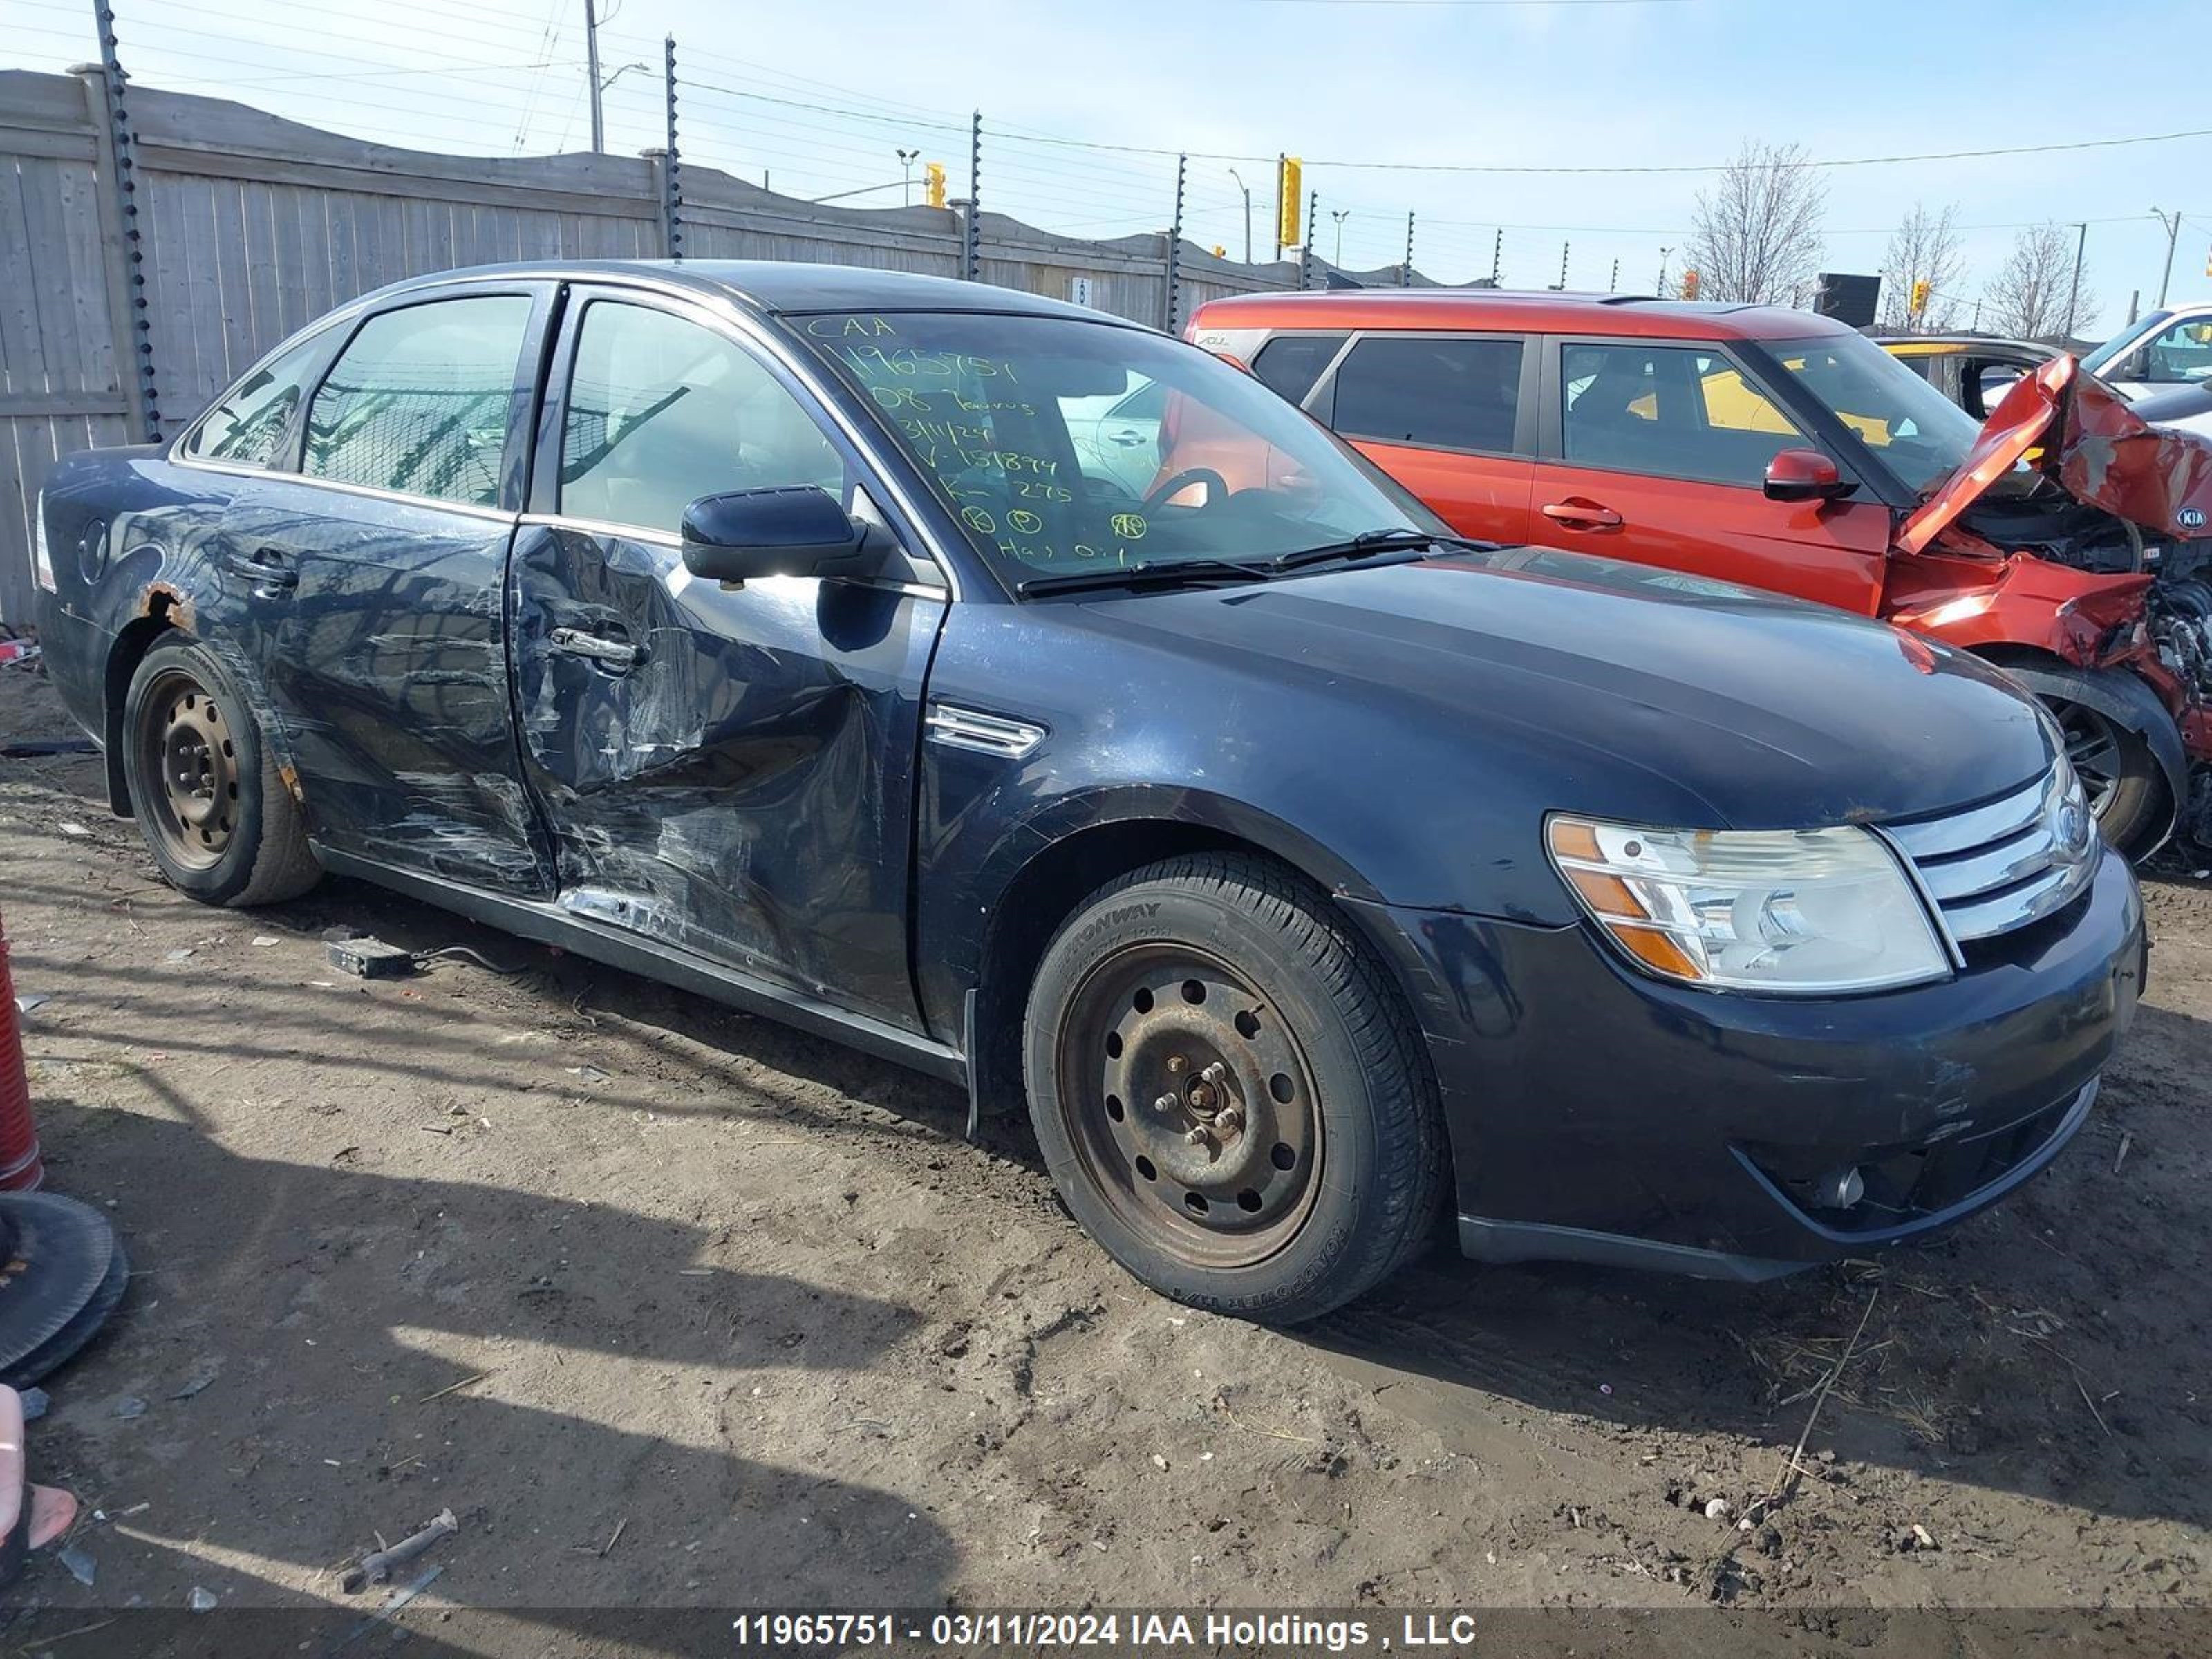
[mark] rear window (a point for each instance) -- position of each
(1290, 363)
(418, 401)
(1439, 393)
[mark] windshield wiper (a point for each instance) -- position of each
(1153, 572)
(1367, 544)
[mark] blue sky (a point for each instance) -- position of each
(822, 97)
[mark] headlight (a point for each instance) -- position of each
(1780, 911)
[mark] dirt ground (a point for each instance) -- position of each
(672, 1306)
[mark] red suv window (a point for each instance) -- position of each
(1455, 393)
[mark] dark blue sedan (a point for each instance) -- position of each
(1312, 875)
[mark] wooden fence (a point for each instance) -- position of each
(248, 226)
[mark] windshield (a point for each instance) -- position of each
(2095, 361)
(1919, 433)
(1064, 447)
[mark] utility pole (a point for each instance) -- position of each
(1564, 248)
(591, 63)
(1497, 254)
(1613, 282)
(1408, 281)
(2173, 224)
(1340, 214)
(1247, 191)
(2074, 293)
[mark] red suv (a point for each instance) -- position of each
(2063, 539)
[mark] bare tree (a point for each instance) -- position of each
(1756, 236)
(1925, 248)
(2033, 293)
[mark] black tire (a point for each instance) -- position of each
(236, 837)
(1219, 1200)
(2126, 788)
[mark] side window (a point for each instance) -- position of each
(2179, 355)
(418, 401)
(1982, 385)
(1673, 411)
(661, 410)
(1289, 364)
(1447, 394)
(245, 427)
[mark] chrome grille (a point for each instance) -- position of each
(2001, 865)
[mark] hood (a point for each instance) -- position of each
(2097, 449)
(1619, 689)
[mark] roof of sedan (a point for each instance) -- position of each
(777, 287)
(1498, 309)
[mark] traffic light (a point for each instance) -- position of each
(933, 189)
(1920, 290)
(1289, 179)
(1689, 285)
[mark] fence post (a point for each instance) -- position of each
(123, 251)
(1175, 251)
(1305, 248)
(671, 165)
(971, 229)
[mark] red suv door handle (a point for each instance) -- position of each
(1583, 515)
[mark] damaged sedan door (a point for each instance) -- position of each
(372, 579)
(726, 768)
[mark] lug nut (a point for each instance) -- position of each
(1176, 1063)
(1166, 1103)
(1229, 1122)
(1215, 1073)
(1197, 1135)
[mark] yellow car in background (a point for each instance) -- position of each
(1972, 370)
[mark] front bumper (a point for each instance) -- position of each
(1597, 1115)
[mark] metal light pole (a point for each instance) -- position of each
(2074, 293)
(2172, 235)
(1247, 191)
(1660, 290)
(591, 63)
(1340, 214)
(906, 166)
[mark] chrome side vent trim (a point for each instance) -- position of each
(987, 734)
(2005, 863)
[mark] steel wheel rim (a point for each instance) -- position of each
(1190, 1105)
(2093, 749)
(185, 745)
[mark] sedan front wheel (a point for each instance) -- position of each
(1228, 1093)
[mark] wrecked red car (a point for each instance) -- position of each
(2064, 539)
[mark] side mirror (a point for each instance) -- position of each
(1805, 475)
(791, 531)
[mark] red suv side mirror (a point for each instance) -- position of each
(1805, 475)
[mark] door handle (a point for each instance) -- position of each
(615, 654)
(1582, 515)
(265, 566)
(1127, 438)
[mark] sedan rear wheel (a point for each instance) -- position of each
(214, 809)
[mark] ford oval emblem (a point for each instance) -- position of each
(2191, 518)
(2073, 828)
